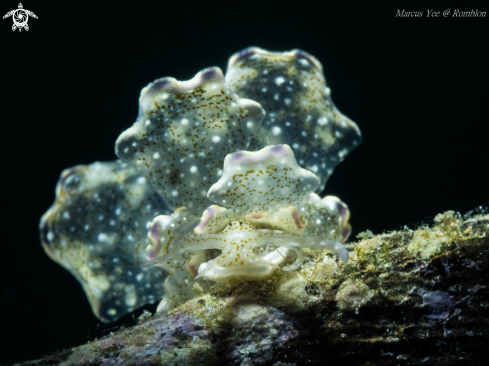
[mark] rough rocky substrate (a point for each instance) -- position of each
(409, 297)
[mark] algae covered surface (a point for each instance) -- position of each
(405, 297)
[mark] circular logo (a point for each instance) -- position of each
(20, 17)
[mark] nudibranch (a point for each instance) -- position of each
(290, 86)
(217, 180)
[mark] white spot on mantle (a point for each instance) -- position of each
(279, 80)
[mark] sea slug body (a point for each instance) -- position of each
(218, 179)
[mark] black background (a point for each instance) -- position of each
(417, 88)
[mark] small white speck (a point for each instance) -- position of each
(147, 123)
(295, 145)
(156, 155)
(314, 168)
(101, 217)
(287, 101)
(115, 260)
(264, 90)
(276, 130)
(141, 180)
(139, 277)
(322, 121)
(118, 211)
(174, 193)
(102, 237)
(193, 169)
(134, 144)
(50, 235)
(250, 124)
(303, 62)
(112, 312)
(216, 139)
(66, 215)
(279, 80)
(184, 122)
(86, 227)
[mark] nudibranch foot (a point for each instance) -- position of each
(240, 248)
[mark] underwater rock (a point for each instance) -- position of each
(406, 297)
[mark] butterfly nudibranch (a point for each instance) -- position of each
(216, 180)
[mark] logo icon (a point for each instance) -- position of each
(20, 17)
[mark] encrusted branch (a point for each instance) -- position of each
(407, 297)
